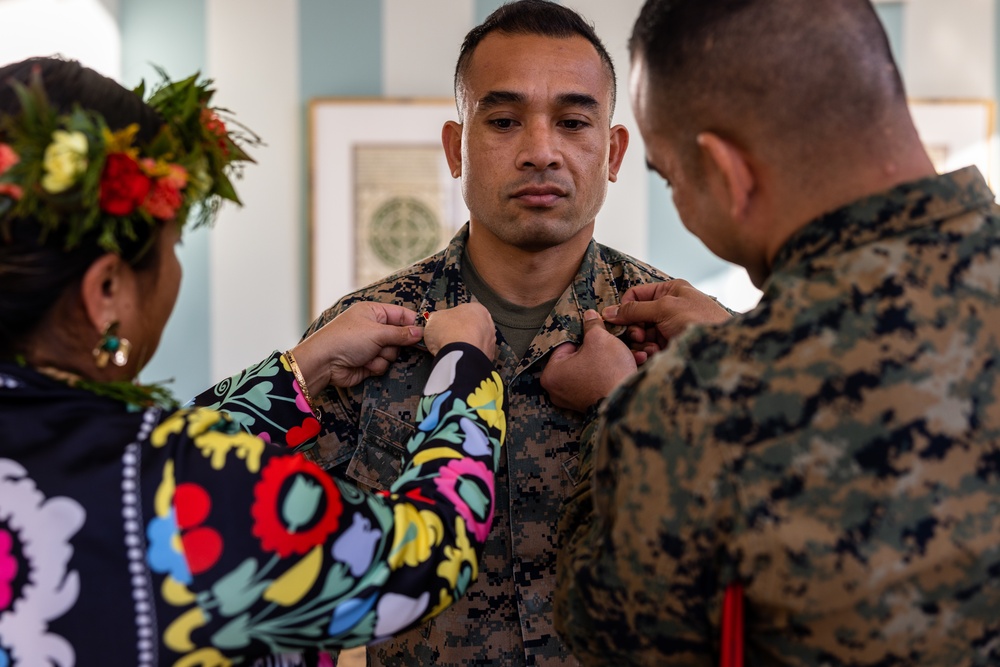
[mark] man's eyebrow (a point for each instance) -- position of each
(495, 98)
(578, 100)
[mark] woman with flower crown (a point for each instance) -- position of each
(134, 532)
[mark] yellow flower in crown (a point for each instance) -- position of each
(487, 401)
(64, 161)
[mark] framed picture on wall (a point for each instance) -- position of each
(381, 195)
(956, 133)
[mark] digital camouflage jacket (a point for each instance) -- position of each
(836, 450)
(506, 617)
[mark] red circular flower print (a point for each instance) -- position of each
(296, 506)
(202, 544)
(123, 185)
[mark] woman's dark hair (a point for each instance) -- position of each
(34, 270)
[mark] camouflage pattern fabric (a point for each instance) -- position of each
(506, 616)
(836, 449)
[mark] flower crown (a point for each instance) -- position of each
(74, 176)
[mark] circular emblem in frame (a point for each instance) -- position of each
(402, 231)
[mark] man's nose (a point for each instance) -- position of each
(539, 147)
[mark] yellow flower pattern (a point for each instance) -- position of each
(416, 533)
(293, 585)
(487, 400)
(461, 552)
(215, 445)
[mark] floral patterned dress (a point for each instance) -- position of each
(155, 537)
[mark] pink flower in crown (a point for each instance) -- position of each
(8, 158)
(164, 198)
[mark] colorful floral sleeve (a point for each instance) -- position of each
(266, 400)
(257, 550)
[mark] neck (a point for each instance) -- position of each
(527, 277)
(869, 175)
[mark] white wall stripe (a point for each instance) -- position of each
(420, 45)
(948, 48)
(256, 301)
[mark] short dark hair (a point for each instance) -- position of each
(824, 68)
(533, 17)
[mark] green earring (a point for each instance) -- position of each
(112, 347)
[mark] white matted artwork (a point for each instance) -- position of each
(380, 192)
(956, 132)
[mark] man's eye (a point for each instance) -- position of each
(502, 123)
(572, 124)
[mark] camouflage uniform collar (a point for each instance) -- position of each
(908, 206)
(446, 288)
(592, 288)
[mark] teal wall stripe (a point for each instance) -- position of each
(672, 248)
(172, 35)
(341, 47)
(891, 14)
(484, 8)
(341, 55)
(169, 34)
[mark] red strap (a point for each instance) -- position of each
(731, 653)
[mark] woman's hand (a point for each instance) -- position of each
(360, 342)
(465, 323)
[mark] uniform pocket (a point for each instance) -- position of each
(378, 459)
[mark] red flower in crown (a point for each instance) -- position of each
(8, 158)
(124, 185)
(214, 124)
(165, 196)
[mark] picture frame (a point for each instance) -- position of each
(381, 195)
(956, 133)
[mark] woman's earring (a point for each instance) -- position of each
(112, 348)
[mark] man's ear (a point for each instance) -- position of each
(451, 140)
(100, 290)
(733, 168)
(619, 143)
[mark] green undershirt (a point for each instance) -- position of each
(517, 324)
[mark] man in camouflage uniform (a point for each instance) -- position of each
(837, 449)
(535, 151)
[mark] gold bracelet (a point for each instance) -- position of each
(297, 372)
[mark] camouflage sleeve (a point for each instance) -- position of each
(642, 556)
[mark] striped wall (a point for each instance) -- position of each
(246, 281)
